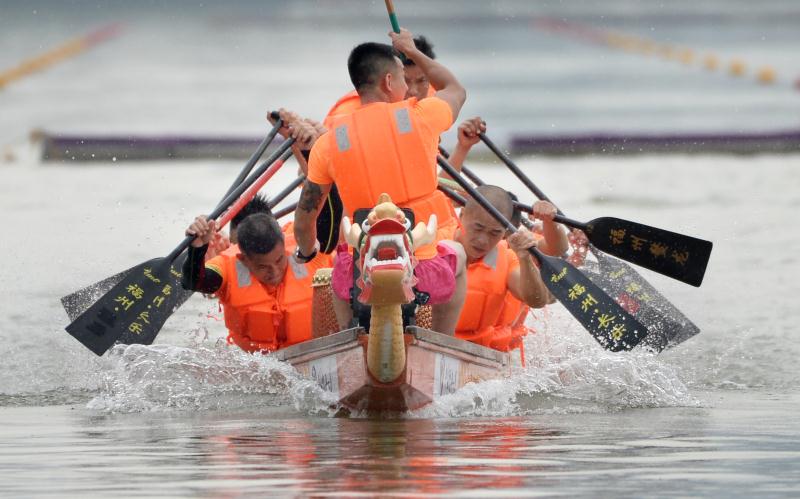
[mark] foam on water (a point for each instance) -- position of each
(566, 371)
(140, 378)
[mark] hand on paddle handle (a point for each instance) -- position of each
(203, 229)
(544, 211)
(306, 131)
(287, 118)
(218, 244)
(521, 241)
(468, 132)
(403, 42)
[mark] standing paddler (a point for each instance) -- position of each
(389, 145)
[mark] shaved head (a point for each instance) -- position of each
(480, 232)
(497, 197)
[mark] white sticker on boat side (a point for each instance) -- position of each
(326, 373)
(445, 375)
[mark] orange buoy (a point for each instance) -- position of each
(766, 75)
(737, 68)
(646, 46)
(666, 52)
(711, 62)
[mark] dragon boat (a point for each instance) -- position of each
(388, 367)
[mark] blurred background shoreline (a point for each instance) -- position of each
(549, 70)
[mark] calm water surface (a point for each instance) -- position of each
(723, 450)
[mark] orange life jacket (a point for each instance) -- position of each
(351, 101)
(379, 148)
(486, 291)
(510, 327)
(491, 316)
(260, 317)
(348, 103)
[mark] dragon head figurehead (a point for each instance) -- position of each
(386, 248)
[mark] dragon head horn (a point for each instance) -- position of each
(422, 234)
(352, 232)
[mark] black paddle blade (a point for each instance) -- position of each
(666, 324)
(613, 327)
(76, 303)
(675, 255)
(133, 310)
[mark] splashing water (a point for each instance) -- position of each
(566, 371)
(161, 377)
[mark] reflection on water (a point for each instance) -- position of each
(271, 450)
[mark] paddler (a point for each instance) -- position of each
(389, 144)
(418, 84)
(265, 291)
(220, 242)
(502, 277)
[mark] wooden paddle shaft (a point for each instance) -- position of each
(392, 16)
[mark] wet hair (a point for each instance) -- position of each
(258, 234)
(424, 46)
(497, 197)
(258, 204)
(369, 62)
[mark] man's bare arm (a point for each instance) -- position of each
(450, 90)
(525, 282)
(555, 238)
(305, 217)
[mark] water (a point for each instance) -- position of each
(191, 416)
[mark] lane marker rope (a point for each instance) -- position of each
(62, 52)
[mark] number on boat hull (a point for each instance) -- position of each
(325, 372)
(445, 375)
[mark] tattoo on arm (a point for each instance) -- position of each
(310, 198)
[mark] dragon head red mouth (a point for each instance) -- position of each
(387, 253)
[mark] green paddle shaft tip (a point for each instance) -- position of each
(395, 23)
(392, 16)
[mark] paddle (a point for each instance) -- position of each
(257, 154)
(613, 327)
(75, 303)
(674, 255)
(277, 198)
(392, 16)
(667, 325)
(135, 309)
(466, 171)
(285, 211)
(656, 249)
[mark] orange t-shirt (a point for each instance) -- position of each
(432, 111)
